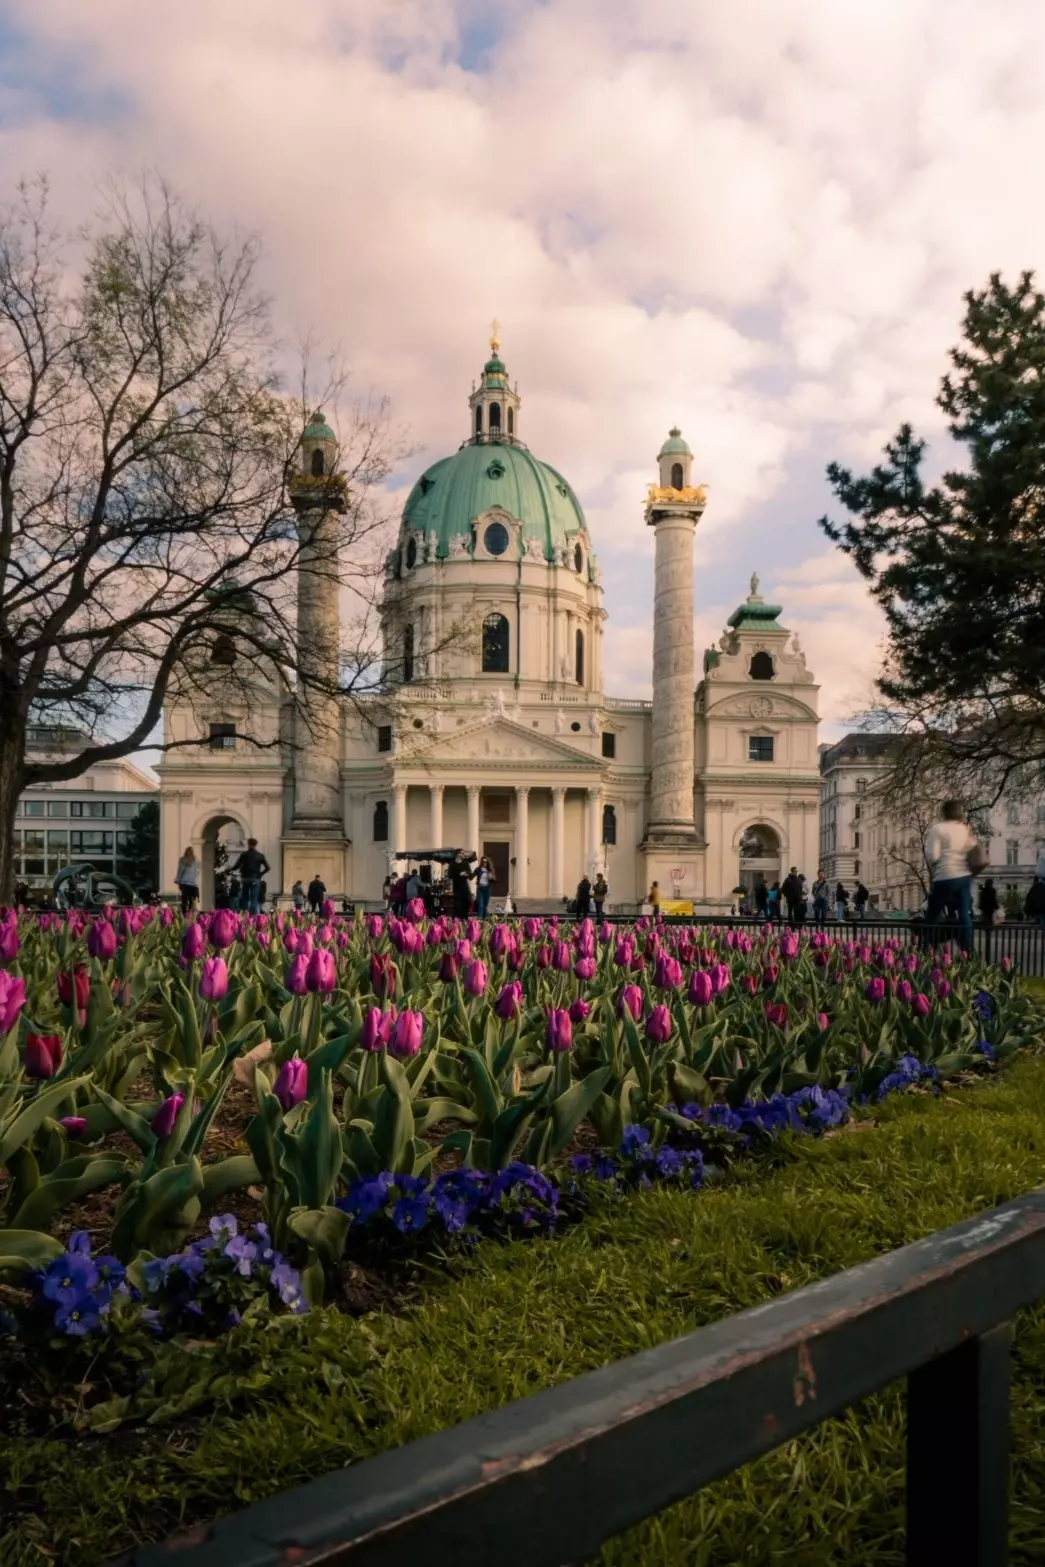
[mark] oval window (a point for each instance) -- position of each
(578, 559)
(496, 539)
(411, 555)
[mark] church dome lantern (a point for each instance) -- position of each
(494, 403)
(675, 461)
(317, 484)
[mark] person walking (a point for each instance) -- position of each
(484, 880)
(773, 902)
(600, 892)
(316, 893)
(297, 894)
(821, 894)
(654, 897)
(988, 902)
(1034, 906)
(841, 901)
(761, 897)
(187, 879)
(792, 893)
(460, 877)
(250, 867)
(860, 899)
(949, 847)
(583, 898)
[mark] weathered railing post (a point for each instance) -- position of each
(958, 1455)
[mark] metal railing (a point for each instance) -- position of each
(545, 1481)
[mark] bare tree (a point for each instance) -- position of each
(145, 457)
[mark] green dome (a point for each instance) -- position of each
(317, 428)
(453, 492)
(495, 366)
(675, 445)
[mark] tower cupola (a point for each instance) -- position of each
(494, 402)
(675, 461)
(318, 448)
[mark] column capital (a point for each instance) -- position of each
(437, 788)
(523, 788)
(473, 790)
(558, 791)
(399, 788)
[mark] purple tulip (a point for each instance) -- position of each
(667, 975)
(73, 1125)
(448, 968)
(630, 1000)
(700, 988)
(377, 1029)
(163, 1121)
(407, 1031)
(875, 991)
(605, 931)
(193, 943)
(223, 929)
(12, 1000)
(214, 979)
(291, 1083)
(579, 1010)
(658, 1024)
(560, 1030)
(921, 1005)
(375, 926)
(904, 991)
(943, 989)
(295, 978)
(509, 1002)
(500, 941)
(328, 910)
(474, 930)
(776, 1013)
(561, 959)
(305, 943)
(531, 928)
(321, 974)
(789, 944)
(544, 956)
(101, 940)
(8, 941)
(719, 978)
(475, 977)
(584, 968)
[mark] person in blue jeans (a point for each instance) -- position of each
(484, 880)
(947, 847)
(250, 867)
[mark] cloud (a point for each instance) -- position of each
(755, 219)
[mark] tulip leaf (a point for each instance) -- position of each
(21, 1128)
(69, 1183)
(394, 1122)
(428, 1112)
(324, 1229)
(228, 1175)
(24, 1251)
(570, 1108)
(201, 1123)
(487, 1092)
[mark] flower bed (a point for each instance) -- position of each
(415, 1084)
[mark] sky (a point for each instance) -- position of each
(752, 218)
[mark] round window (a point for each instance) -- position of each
(411, 555)
(578, 559)
(418, 723)
(496, 539)
(575, 727)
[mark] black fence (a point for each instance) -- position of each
(545, 1481)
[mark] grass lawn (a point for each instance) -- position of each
(518, 1318)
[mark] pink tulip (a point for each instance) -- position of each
(700, 988)
(559, 1033)
(321, 974)
(584, 968)
(719, 978)
(406, 1036)
(290, 939)
(500, 941)
(579, 1010)
(415, 910)
(630, 1000)
(463, 951)
(214, 979)
(384, 976)
(561, 957)
(822, 1021)
(475, 977)
(12, 1000)
(291, 1083)
(474, 930)
(776, 1013)
(73, 1125)
(943, 989)
(658, 1024)
(163, 1121)
(43, 1055)
(193, 942)
(544, 957)
(531, 928)
(605, 931)
(8, 941)
(295, 977)
(668, 973)
(509, 1003)
(875, 990)
(101, 940)
(375, 926)
(904, 991)
(224, 928)
(328, 910)
(623, 952)
(921, 1005)
(377, 1029)
(789, 945)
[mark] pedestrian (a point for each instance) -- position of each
(988, 902)
(297, 894)
(952, 853)
(792, 892)
(821, 893)
(316, 893)
(600, 892)
(386, 892)
(250, 867)
(860, 899)
(1034, 907)
(583, 898)
(654, 897)
(187, 879)
(460, 876)
(484, 880)
(761, 897)
(841, 901)
(773, 902)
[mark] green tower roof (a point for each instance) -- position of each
(317, 428)
(675, 445)
(454, 491)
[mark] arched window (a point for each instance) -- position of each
(479, 419)
(495, 645)
(578, 559)
(224, 650)
(411, 555)
(317, 464)
(511, 421)
(579, 658)
(495, 416)
(408, 653)
(381, 822)
(761, 667)
(609, 824)
(676, 476)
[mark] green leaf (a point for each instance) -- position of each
(324, 1229)
(24, 1251)
(394, 1123)
(570, 1108)
(21, 1128)
(228, 1175)
(486, 1090)
(69, 1183)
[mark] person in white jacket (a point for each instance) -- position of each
(187, 879)
(947, 847)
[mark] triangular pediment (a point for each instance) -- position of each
(491, 743)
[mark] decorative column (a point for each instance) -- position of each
(473, 818)
(399, 818)
(435, 800)
(594, 822)
(522, 839)
(558, 854)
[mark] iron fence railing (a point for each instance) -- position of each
(545, 1481)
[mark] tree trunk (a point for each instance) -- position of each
(12, 773)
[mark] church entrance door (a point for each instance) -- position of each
(499, 853)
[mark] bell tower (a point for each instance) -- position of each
(316, 840)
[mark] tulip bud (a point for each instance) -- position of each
(101, 940)
(509, 1002)
(579, 1008)
(921, 1005)
(193, 942)
(383, 976)
(295, 978)
(407, 1032)
(561, 959)
(531, 928)
(223, 929)
(321, 974)
(500, 941)
(377, 1029)
(560, 1030)
(667, 975)
(584, 968)
(75, 989)
(214, 979)
(875, 990)
(475, 977)
(630, 1000)
(658, 1024)
(822, 1021)
(73, 1125)
(163, 1121)
(12, 1000)
(328, 910)
(8, 941)
(700, 988)
(448, 968)
(544, 956)
(904, 991)
(375, 926)
(776, 1013)
(291, 1083)
(43, 1055)
(719, 978)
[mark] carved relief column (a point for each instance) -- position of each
(522, 839)
(558, 854)
(671, 783)
(435, 798)
(473, 818)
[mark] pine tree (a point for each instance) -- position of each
(959, 566)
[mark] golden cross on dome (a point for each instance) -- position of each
(495, 335)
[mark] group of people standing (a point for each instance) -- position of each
(247, 873)
(791, 900)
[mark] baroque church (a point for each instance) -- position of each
(491, 730)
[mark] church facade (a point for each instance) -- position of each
(492, 730)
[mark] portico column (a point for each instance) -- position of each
(558, 842)
(399, 818)
(522, 839)
(473, 818)
(435, 798)
(594, 821)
